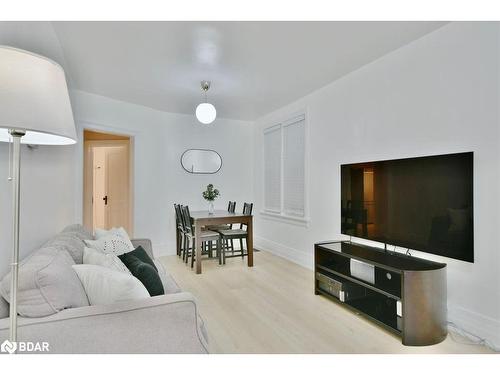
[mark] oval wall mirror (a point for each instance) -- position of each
(199, 161)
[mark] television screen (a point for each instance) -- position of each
(423, 203)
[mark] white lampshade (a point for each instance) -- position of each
(34, 97)
(206, 113)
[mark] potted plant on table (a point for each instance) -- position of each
(210, 195)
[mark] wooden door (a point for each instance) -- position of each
(117, 187)
(107, 185)
(99, 188)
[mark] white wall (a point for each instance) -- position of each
(159, 140)
(436, 95)
(47, 197)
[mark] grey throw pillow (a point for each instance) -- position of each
(69, 241)
(79, 231)
(4, 308)
(47, 284)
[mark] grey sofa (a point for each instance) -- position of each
(163, 324)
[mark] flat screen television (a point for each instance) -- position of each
(423, 203)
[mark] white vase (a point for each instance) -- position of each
(211, 208)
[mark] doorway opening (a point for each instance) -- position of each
(107, 181)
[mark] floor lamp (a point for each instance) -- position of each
(34, 109)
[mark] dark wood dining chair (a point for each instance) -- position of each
(184, 231)
(206, 236)
(229, 235)
(179, 229)
(231, 207)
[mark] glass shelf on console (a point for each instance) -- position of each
(373, 304)
(386, 281)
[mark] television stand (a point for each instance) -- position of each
(404, 294)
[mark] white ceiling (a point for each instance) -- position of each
(255, 67)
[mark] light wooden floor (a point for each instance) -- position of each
(271, 308)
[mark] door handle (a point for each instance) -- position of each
(105, 199)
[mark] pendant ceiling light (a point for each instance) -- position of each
(205, 112)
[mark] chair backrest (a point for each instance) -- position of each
(178, 217)
(247, 210)
(231, 207)
(186, 216)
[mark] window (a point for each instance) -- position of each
(293, 167)
(272, 169)
(284, 169)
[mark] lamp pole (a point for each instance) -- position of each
(16, 170)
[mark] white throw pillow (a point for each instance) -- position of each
(112, 244)
(97, 258)
(100, 233)
(105, 286)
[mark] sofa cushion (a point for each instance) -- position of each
(112, 244)
(168, 282)
(72, 242)
(145, 243)
(105, 286)
(145, 272)
(79, 231)
(97, 258)
(4, 308)
(121, 232)
(140, 253)
(47, 284)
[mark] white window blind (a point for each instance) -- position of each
(272, 169)
(293, 167)
(284, 168)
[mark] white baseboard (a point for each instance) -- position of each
(466, 321)
(300, 257)
(470, 322)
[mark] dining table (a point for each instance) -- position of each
(205, 218)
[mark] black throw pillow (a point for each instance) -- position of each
(145, 272)
(140, 253)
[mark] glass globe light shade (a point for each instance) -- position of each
(205, 113)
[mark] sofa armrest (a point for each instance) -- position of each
(161, 324)
(146, 245)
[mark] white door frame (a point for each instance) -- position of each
(80, 170)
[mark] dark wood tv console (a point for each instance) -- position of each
(404, 294)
